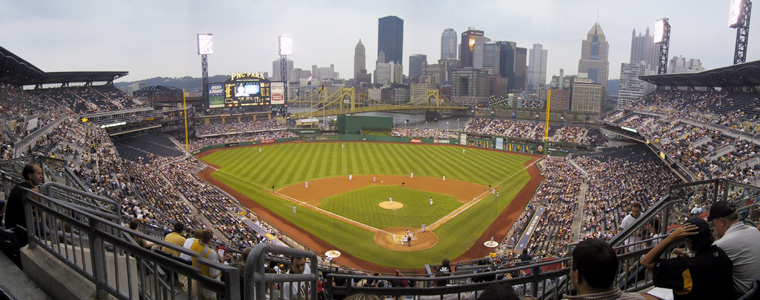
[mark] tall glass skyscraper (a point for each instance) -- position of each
(390, 39)
(449, 44)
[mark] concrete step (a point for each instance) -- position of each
(17, 282)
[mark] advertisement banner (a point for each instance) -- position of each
(215, 95)
(278, 93)
(269, 141)
(500, 143)
(416, 141)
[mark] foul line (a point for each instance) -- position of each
(337, 216)
(432, 226)
(475, 200)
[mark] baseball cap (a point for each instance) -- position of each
(720, 209)
(703, 238)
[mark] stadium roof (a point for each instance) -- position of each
(731, 77)
(17, 71)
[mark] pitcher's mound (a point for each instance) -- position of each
(389, 205)
(421, 241)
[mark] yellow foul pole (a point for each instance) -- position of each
(546, 127)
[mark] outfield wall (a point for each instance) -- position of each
(479, 141)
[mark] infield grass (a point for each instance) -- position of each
(363, 205)
(253, 173)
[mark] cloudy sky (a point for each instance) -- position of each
(158, 38)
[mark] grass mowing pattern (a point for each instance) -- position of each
(362, 205)
(253, 173)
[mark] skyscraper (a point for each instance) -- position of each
(507, 51)
(644, 49)
(594, 53)
(416, 62)
(390, 39)
(521, 58)
(491, 56)
(360, 58)
(467, 47)
(538, 58)
(631, 88)
(449, 44)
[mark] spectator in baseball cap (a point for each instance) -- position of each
(705, 275)
(741, 243)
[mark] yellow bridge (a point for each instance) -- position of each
(347, 101)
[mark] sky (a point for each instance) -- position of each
(151, 38)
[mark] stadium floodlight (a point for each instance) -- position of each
(286, 45)
(659, 31)
(205, 44)
(735, 13)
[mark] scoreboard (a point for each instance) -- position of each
(246, 89)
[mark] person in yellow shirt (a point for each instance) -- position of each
(175, 238)
(205, 251)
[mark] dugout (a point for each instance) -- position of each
(355, 124)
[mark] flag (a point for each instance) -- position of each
(321, 89)
(308, 82)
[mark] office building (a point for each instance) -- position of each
(631, 88)
(491, 56)
(470, 38)
(586, 96)
(469, 86)
(276, 71)
(521, 74)
(507, 51)
(360, 59)
(444, 68)
(538, 59)
(449, 44)
(416, 63)
(679, 64)
(643, 49)
(390, 39)
(594, 57)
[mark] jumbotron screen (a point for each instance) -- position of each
(246, 92)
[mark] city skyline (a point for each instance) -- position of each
(150, 39)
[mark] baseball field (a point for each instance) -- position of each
(362, 198)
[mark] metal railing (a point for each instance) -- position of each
(105, 253)
(89, 240)
(262, 282)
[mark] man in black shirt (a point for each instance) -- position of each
(14, 212)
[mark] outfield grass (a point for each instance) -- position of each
(363, 205)
(253, 173)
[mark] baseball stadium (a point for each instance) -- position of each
(257, 187)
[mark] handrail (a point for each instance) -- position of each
(69, 232)
(254, 271)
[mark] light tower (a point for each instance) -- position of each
(205, 47)
(662, 37)
(738, 17)
(285, 49)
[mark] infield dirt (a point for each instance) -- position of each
(318, 190)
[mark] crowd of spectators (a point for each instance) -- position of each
(238, 127)
(558, 195)
(527, 130)
(618, 177)
(709, 134)
(199, 143)
(431, 133)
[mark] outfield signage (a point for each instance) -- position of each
(416, 141)
(231, 144)
(500, 143)
(437, 141)
(267, 141)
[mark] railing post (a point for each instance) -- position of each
(97, 255)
